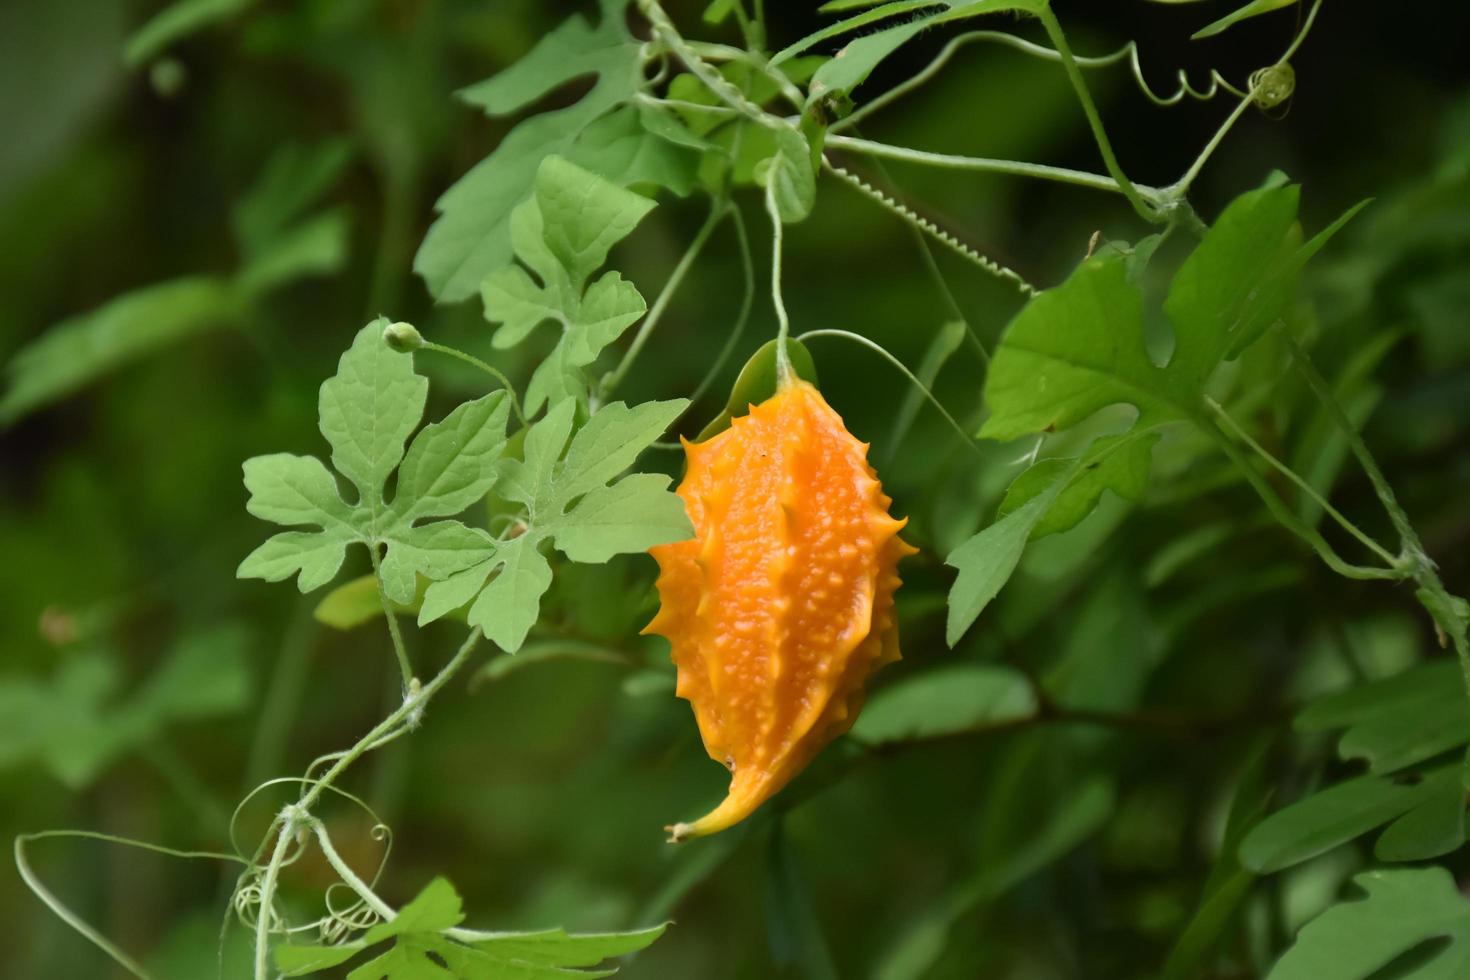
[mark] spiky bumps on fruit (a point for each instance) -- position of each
(781, 606)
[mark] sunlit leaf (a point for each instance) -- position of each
(368, 410)
(1080, 348)
(564, 488)
(563, 235)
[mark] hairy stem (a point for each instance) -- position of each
(267, 896)
(665, 31)
(399, 650)
(291, 819)
(350, 877)
(922, 225)
(411, 709)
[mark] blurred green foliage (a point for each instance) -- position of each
(199, 215)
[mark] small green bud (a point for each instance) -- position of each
(168, 77)
(403, 337)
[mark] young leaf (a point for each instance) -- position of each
(1117, 463)
(563, 235)
(1253, 9)
(987, 560)
(790, 175)
(1400, 910)
(421, 950)
(472, 236)
(367, 412)
(568, 503)
(883, 12)
(856, 61)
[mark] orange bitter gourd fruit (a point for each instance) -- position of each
(781, 606)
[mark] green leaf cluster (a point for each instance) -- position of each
(422, 951)
(564, 487)
(1398, 726)
(1080, 348)
(602, 131)
(368, 409)
(562, 235)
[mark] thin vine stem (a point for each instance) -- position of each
(349, 877)
(1301, 484)
(394, 631)
(267, 895)
(932, 265)
(717, 213)
(372, 900)
(1058, 38)
(1015, 168)
(1129, 51)
(411, 709)
(747, 300)
(63, 912)
(667, 103)
(292, 817)
(784, 372)
(494, 372)
(1420, 567)
(1323, 392)
(1180, 188)
(729, 93)
(902, 369)
(1285, 517)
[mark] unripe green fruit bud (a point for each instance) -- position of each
(403, 337)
